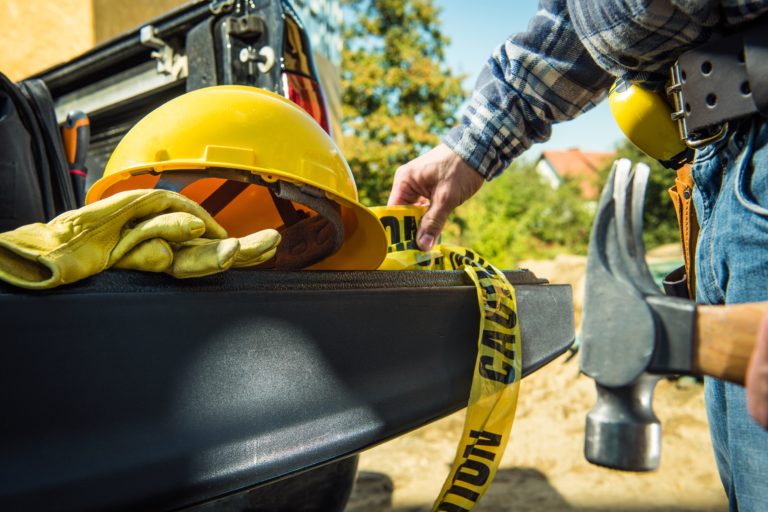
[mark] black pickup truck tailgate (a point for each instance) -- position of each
(142, 392)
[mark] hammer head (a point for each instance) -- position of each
(622, 431)
(619, 330)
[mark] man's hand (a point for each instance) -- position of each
(757, 377)
(439, 179)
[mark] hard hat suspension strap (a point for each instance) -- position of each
(222, 196)
(285, 208)
(306, 239)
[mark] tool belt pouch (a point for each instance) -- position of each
(34, 179)
(682, 281)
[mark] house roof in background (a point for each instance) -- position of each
(581, 166)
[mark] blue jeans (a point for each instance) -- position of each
(731, 199)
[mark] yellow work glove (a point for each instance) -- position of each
(145, 227)
(201, 256)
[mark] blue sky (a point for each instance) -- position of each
(476, 27)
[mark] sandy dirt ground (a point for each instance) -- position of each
(543, 468)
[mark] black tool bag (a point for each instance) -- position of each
(34, 178)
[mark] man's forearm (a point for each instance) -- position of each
(533, 80)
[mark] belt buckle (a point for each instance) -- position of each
(675, 90)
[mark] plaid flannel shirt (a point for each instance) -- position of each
(564, 64)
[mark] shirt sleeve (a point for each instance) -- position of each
(537, 78)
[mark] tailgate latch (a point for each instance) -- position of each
(168, 61)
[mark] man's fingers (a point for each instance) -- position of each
(432, 223)
(757, 378)
(396, 196)
(402, 190)
(439, 179)
(397, 192)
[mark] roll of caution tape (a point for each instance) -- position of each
(496, 380)
(400, 225)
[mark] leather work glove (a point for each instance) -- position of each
(141, 229)
(201, 256)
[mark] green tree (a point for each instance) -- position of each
(398, 94)
(519, 215)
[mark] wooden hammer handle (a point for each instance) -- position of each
(725, 337)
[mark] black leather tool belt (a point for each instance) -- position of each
(721, 81)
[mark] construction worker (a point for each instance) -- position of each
(562, 66)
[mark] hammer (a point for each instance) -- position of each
(632, 333)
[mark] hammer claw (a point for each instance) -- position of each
(640, 185)
(603, 219)
(610, 292)
(623, 241)
(629, 194)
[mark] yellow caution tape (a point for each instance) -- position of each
(496, 380)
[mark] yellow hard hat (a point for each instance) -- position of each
(253, 159)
